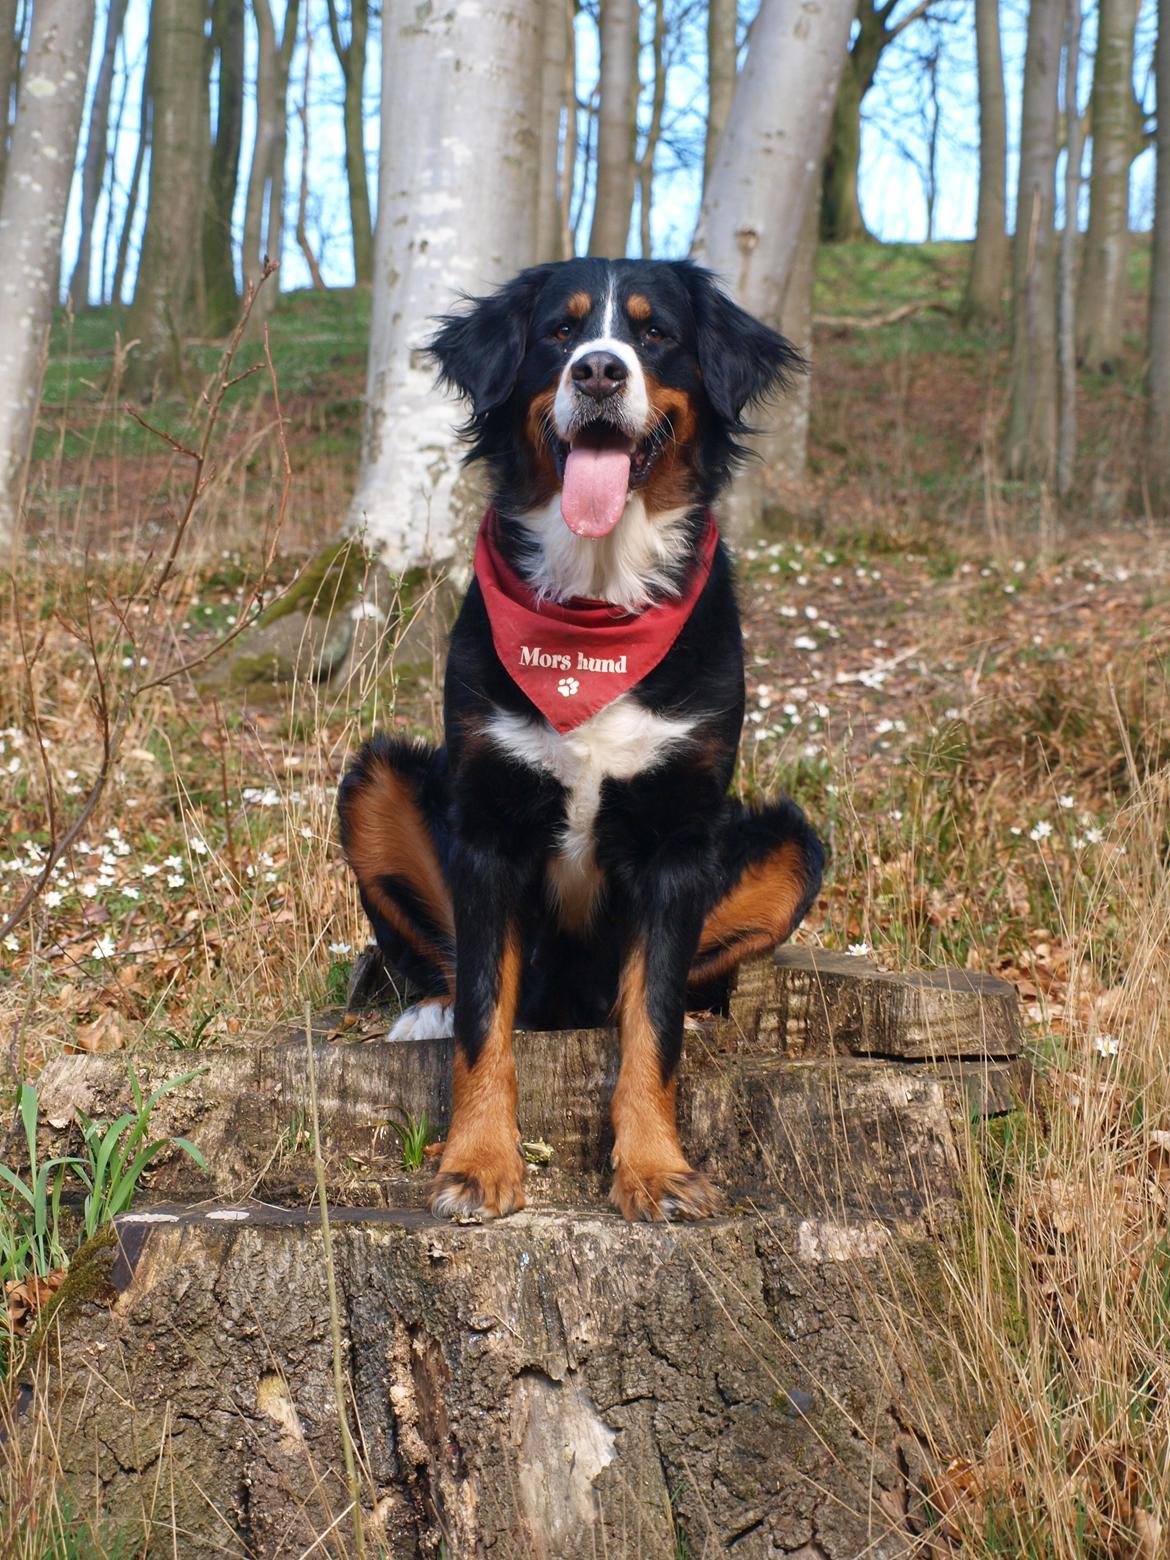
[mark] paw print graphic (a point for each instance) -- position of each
(567, 687)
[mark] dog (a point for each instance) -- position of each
(572, 854)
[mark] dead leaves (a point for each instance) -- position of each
(108, 1032)
(28, 1296)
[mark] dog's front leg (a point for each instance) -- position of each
(481, 1170)
(652, 1177)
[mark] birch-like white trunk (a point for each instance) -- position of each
(768, 164)
(456, 212)
(32, 215)
(1158, 374)
(763, 184)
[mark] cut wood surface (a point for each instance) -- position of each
(559, 1383)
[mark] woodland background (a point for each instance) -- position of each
(232, 521)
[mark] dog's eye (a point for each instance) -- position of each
(653, 333)
(563, 331)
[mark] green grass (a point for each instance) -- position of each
(414, 1136)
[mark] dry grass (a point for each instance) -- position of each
(991, 801)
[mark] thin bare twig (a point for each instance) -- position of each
(113, 723)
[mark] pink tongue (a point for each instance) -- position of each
(593, 494)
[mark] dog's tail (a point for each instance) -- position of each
(392, 806)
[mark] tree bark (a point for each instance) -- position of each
(1066, 347)
(1031, 444)
(94, 163)
(768, 491)
(162, 307)
(1158, 373)
(765, 174)
(219, 271)
(460, 143)
(617, 129)
(841, 218)
(722, 23)
(984, 296)
(9, 73)
(264, 208)
(32, 216)
(653, 131)
(352, 58)
(1101, 299)
(569, 154)
(145, 117)
(302, 235)
(554, 58)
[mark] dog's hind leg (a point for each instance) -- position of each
(391, 808)
(771, 863)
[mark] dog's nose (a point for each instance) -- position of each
(599, 374)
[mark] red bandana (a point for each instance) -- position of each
(572, 660)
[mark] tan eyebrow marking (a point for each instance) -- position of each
(638, 306)
(579, 305)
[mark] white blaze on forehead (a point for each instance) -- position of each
(633, 400)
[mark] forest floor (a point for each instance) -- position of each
(967, 690)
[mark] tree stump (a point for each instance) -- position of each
(558, 1383)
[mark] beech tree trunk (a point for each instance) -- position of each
(616, 129)
(1158, 374)
(554, 58)
(841, 217)
(1031, 445)
(722, 23)
(145, 116)
(162, 307)
(94, 164)
(1101, 300)
(219, 272)
(984, 297)
(767, 492)
(1066, 345)
(32, 216)
(765, 176)
(569, 154)
(351, 56)
(264, 210)
(653, 131)
(9, 72)
(460, 150)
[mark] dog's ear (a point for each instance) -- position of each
(742, 360)
(479, 352)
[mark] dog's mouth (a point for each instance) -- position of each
(598, 466)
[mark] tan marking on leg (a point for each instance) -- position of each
(653, 1179)
(388, 836)
(759, 912)
(482, 1170)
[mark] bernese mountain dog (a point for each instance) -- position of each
(571, 855)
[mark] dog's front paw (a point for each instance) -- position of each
(489, 1187)
(641, 1192)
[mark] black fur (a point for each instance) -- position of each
(669, 842)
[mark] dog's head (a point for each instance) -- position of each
(596, 379)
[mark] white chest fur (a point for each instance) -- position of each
(619, 742)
